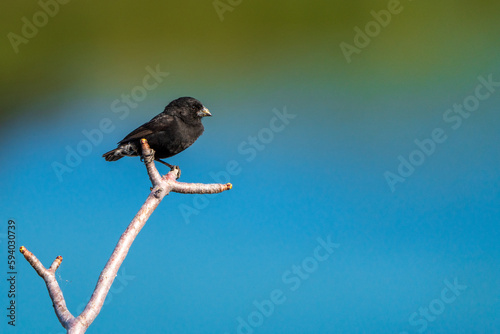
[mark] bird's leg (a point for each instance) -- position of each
(165, 163)
(172, 167)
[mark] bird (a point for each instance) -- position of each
(168, 133)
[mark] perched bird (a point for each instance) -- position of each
(168, 133)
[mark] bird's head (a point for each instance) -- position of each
(188, 109)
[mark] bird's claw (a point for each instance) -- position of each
(173, 168)
(148, 158)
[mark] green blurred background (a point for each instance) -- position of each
(98, 48)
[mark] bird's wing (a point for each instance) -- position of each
(158, 123)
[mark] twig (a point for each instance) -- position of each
(161, 187)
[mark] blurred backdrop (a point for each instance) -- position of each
(361, 138)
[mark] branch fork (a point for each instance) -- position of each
(162, 186)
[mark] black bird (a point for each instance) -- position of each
(168, 133)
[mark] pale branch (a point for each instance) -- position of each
(49, 276)
(162, 186)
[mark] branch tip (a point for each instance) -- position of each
(229, 186)
(57, 262)
(22, 249)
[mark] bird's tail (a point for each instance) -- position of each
(124, 150)
(113, 155)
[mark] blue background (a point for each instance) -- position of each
(321, 176)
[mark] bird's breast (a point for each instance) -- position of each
(175, 139)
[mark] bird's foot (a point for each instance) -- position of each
(178, 171)
(172, 167)
(148, 158)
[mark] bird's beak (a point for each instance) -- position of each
(204, 112)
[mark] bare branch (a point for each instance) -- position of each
(65, 317)
(199, 188)
(148, 156)
(161, 187)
